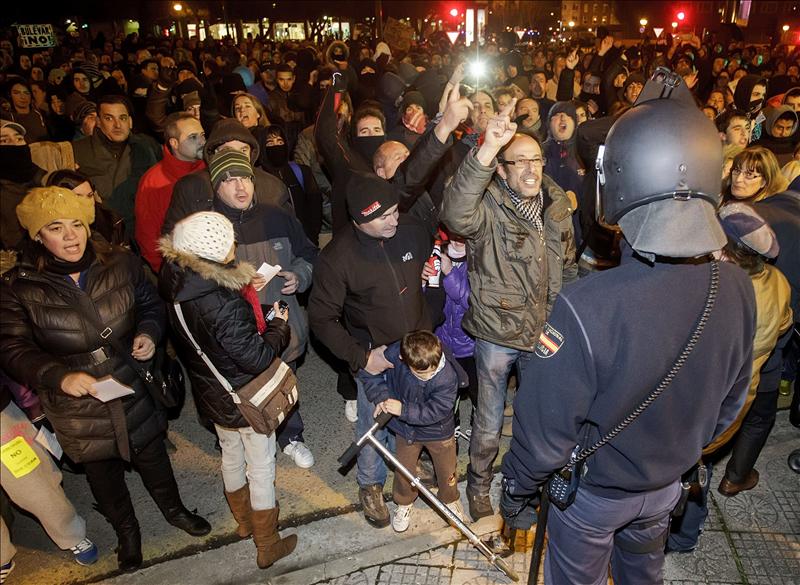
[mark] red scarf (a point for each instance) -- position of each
(251, 296)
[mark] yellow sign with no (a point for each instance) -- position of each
(18, 457)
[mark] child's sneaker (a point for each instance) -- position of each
(457, 509)
(85, 552)
(5, 570)
(402, 518)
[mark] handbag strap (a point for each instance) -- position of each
(107, 335)
(713, 289)
(220, 378)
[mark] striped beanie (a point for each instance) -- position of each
(227, 164)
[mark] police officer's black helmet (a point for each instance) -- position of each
(661, 169)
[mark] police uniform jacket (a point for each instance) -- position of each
(609, 341)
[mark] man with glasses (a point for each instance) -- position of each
(518, 227)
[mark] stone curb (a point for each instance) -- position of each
(384, 554)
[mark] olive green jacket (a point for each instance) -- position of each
(514, 274)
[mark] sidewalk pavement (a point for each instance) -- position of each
(751, 539)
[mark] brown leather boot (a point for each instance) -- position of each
(239, 501)
(269, 544)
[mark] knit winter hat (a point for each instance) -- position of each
(369, 196)
(44, 205)
(412, 97)
(743, 225)
(227, 164)
(206, 234)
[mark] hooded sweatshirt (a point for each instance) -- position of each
(194, 192)
(783, 147)
(563, 165)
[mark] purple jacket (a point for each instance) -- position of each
(456, 287)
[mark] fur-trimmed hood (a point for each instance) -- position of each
(191, 276)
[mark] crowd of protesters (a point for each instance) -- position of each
(143, 180)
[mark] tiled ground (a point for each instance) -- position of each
(751, 539)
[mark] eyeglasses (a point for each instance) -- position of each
(749, 175)
(526, 162)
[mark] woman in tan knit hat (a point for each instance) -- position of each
(65, 308)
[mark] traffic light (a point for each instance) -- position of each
(454, 12)
(681, 16)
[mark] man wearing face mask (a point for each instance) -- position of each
(517, 224)
(183, 154)
(299, 179)
(749, 98)
(18, 174)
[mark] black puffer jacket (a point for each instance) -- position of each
(43, 338)
(223, 325)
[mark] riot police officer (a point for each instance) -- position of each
(612, 338)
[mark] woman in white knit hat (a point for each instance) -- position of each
(223, 315)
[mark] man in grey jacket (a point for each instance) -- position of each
(518, 227)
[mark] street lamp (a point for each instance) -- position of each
(674, 25)
(643, 21)
(785, 28)
(571, 23)
(177, 7)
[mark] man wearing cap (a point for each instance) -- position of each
(518, 227)
(616, 336)
(265, 233)
(367, 294)
(182, 154)
(194, 191)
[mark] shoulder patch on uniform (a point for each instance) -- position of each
(550, 341)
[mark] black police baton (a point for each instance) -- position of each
(538, 539)
(453, 520)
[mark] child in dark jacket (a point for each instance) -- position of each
(420, 391)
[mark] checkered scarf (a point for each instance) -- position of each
(530, 207)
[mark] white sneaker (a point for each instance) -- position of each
(402, 518)
(351, 410)
(457, 509)
(302, 455)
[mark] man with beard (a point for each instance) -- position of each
(517, 224)
(183, 154)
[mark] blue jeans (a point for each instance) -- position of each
(292, 428)
(629, 531)
(494, 363)
(371, 467)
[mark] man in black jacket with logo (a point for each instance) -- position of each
(367, 294)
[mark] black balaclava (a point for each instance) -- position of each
(16, 164)
(741, 97)
(277, 156)
(367, 146)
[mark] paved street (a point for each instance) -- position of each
(753, 538)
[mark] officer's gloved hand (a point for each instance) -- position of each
(519, 512)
